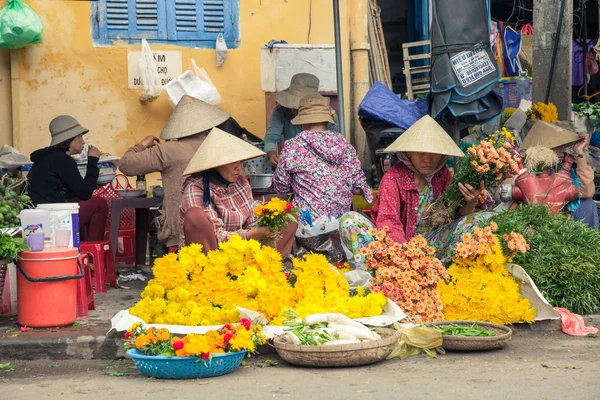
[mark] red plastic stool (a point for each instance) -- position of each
(85, 291)
(127, 237)
(103, 263)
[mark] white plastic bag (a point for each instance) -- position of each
(11, 158)
(149, 75)
(222, 50)
(204, 89)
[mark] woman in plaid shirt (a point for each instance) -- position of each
(217, 200)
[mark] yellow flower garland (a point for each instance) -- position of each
(196, 289)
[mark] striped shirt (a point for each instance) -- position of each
(231, 209)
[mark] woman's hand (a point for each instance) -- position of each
(273, 158)
(579, 147)
(471, 196)
(149, 141)
(262, 232)
(93, 152)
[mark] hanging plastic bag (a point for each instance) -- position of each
(203, 88)
(20, 26)
(323, 237)
(221, 48)
(149, 75)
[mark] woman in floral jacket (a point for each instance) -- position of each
(320, 166)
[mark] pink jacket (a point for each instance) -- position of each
(397, 201)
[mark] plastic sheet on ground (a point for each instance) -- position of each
(528, 290)
(123, 321)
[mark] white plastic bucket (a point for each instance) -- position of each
(35, 220)
(63, 216)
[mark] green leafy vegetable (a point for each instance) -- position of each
(10, 247)
(564, 260)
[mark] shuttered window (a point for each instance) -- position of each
(187, 21)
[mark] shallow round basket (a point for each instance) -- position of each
(345, 355)
(185, 367)
(130, 193)
(469, 343)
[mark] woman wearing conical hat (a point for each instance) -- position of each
(183, 134)
(217, 200)
(559, 139)
(409, 187)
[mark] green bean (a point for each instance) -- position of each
(469, 331)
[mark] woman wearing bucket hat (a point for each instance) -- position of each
(410, 186)
(559, 139)
(288, 100)
(55, 178)
(217, 200)
(185, 131)
(320, 166)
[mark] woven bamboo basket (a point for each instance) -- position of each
(346, 355)
(468, 343)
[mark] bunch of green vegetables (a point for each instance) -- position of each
(564, 260)
(10, 247)
(458, 330)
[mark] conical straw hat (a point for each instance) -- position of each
(221, 148)
(192, 116)
(426, 136)
(548, 135)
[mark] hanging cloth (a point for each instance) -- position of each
(512, 48)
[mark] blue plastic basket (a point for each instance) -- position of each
(185, 367)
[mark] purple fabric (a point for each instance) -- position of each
(578, 60)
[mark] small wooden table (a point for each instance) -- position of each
(142, 208)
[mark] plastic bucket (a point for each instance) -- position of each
(64, 216)
(47, 287)
(35, 221)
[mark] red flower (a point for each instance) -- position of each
(205, 356)
(246, 323)
(288, 208)
(128, 335)
(24, 329)
(227, 337)
(226, 327)
(178, 345)
(287, 276)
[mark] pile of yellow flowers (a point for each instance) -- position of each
(543, 112)
(196, 289)
(481, 289)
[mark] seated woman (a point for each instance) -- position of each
(280, 127)
(318, 165)
(408, 188)
(217, 200)
(558, 139)
(55, 178)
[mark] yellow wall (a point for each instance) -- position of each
(5, 106)
(66, 74)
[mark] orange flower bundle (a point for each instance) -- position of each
(408, 274)
(491, 161)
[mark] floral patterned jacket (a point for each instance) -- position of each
(322, 170)
(397, 201)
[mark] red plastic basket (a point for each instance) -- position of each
(108, 193)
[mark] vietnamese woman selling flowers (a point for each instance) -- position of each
(217, 200)
(408, 188)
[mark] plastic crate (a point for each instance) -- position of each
(510, 94)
